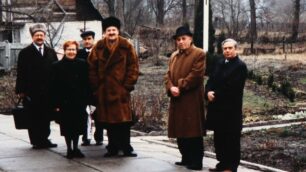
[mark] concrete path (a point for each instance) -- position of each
(16, 154)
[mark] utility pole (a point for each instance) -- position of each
(205, 25)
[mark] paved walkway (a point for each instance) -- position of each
(16, 154)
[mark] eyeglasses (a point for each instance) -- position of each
(70, 49)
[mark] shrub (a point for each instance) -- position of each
(270, 80)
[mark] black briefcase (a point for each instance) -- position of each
(21, 116)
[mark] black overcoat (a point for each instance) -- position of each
(83, 54)
(227, 81)
(70, 93)
(33, 78)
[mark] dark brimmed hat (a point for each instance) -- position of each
(111, 21)
(183, 30)
(88, 33)
(37, 27)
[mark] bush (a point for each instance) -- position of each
(258, 80)
(251, 74)
(287, 90)
(270, 80)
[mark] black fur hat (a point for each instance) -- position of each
(111, 21)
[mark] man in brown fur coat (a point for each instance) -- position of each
(113, 72)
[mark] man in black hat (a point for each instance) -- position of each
(32, 85)
(88, 39)
(113, 72)
(184, 85)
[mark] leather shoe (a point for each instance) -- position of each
(130, 154)
(110, 154)
(196, 167)
(86, 143)
(99, 143)
(78, 154)
(180, 163)
(215, 169)
(51, 145)
(69, 154)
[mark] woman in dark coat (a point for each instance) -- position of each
(70, 90)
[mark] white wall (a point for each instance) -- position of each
(71, 31)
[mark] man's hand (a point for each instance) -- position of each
(211, 96)
(175, 91)
(21, 95)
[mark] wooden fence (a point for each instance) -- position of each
(9, 54)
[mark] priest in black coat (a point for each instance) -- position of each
(32, 85)
(224, 92)
(88, 39)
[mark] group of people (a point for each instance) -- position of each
(96, 82)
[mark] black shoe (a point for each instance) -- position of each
(44, 146)
(110, 154)
(51, 145)
(85, 143)
(69, 154)
(195, 167)
(215, 169)
(181, 163)
(99, 143)
(78, 154)
(130, 154)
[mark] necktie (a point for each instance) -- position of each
(40, 51)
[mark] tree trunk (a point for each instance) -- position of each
(120, 12)
(184, 11)
(198, 23)
(253, 29)
(160, 12)
(296, 20)
(111, 7)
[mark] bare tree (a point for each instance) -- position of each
(111, 7)
(184, 11)
(160, 9)
(232, 14)
(253, 30)
(296, 20)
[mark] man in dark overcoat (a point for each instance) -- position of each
(88, 40)
(113, 72)
(184, 85)
(32, 85)
(224, 92)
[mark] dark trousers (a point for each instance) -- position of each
(119, 136)
(39, 132)
(98, 135)
(227, 148)
(192, 150)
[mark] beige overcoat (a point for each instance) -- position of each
(112, 77)
(186, 112)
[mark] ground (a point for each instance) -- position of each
(261, 104)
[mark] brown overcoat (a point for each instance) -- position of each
(186, 112)
(112, 77)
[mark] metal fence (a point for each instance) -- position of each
(9, 54)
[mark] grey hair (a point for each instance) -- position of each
(230, 40)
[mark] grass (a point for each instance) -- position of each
(255, 102)
(303, 80)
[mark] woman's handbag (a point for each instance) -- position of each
(21, 115)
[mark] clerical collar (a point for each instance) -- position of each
(88, 49)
